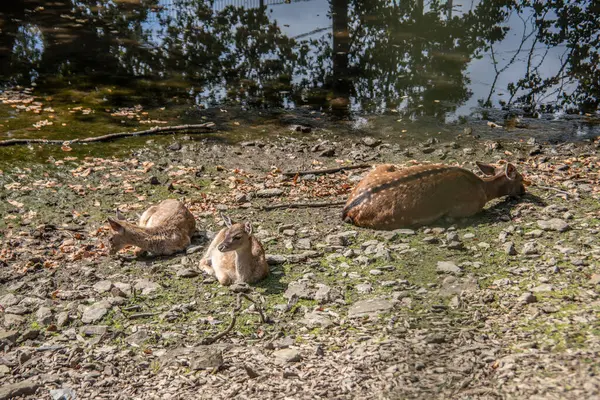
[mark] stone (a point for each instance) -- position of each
(287, 355)
(92, 330)
(63, 394)
(595, 279)
(448, 267)
(209, 359)
(9, 300)
(316, 319)
(8, 337)
(337, 240)
(125, 288)
(431, 240)
(138, 338)
(176, 146)
(273, 192)
(29, 334)
(62, 319)
(275, 259)
(289, 232)
(146, 286)
(301, 289)
(187, 273)
(23, 388)
(509, 248)
(452, 237)
(44, 316)
(13, 320)
(435, 338)
(4, 370)
(303, 244)
(530, 248)
(364, 288)
(456, 245)
(94, 313)
(452, 286)
(17, 310)
(376, 272)
(554, 224)
(543, 288)
(103, 286)
(369, 307)
(536, 233)
(527, 298)
(240, 287)
(370, 141)
(326, 294)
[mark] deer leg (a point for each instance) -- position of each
(206, 265)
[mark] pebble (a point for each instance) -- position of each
(273, 192)
(527, 298)
(94, 313)
(287, 355)
(530, 248)
(447, 267)
(509, 248)
(44, 315)
(554, 224)
(102, 286)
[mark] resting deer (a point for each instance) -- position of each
(163, 229)
(235, 255)
(390, 198)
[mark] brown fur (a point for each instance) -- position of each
(390, 198)
(235, 255)
(163, 229)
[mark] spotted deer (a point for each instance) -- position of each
(235, 255)
(389, 197)
(163, 229)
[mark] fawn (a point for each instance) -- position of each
(389, 198)
(235, 255)
(163, 229)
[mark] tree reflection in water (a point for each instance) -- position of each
(411, 56)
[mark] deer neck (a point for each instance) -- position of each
(495, 187)
(243, 257)
(151, 239)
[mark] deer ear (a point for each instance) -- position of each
(510, 171)
(116, 226)
(226, 219)
(487, 169)
(119, 215)
(248, 227)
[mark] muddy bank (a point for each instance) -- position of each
(504, 304)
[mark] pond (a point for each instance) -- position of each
(75, 68)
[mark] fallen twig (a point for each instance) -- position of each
(234, 311)
(304, 205)
(554, 189)
(159, 130)
(327, 171)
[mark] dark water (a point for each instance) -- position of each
(440, 59)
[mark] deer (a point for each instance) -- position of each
(389, 197)
(162, 229)
(235, 255)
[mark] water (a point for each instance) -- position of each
(448, 61)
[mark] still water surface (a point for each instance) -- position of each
(443, 60)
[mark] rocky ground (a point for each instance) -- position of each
(501, 305)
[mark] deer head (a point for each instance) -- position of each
(505, 180)
(236, 236)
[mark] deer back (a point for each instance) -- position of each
(390, 198)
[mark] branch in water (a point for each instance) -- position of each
(162, 130)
